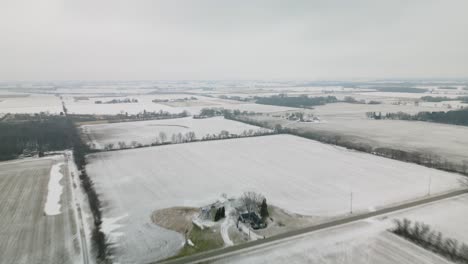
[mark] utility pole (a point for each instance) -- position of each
(351, 203)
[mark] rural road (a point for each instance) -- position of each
(77, 211)
(224, 252)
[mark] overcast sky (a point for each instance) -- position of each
(235, 39)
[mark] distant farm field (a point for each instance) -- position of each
(299, 175)
(146, 132)
(145, 102)
(27, 233)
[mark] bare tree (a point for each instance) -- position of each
(109, 146)
(162, 136)
(224, 134)
(180, 138)
(251, 201)
(174, 138)
(156, 140)
(122, 144)
(134, 143)
(190, 136)
(465, 166)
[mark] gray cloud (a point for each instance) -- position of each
(175, 39)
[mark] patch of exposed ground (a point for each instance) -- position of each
(281, 221)
(201, 240)
(178, 219)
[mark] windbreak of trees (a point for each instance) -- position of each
(214, 111)
(438, 99)
(455, 117)
(80, 149)
(295, 101)
(118, 101)
(35, 135)
(423, 235)
(398, 89)
(178, 138)
(126, 117)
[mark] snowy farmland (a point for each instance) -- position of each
(368, 241)
(37, 223)
(25, 103)
(296, 174)
(147, 132)
(145, 103)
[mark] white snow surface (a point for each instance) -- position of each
(299, 175)
(146, 132)
(32, 103)
(55, 189)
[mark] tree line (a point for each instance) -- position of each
(454, 117)
(438, 99)
(303, 101)
(422, 234)
(33, 135)
(126, 117)
(178, 138)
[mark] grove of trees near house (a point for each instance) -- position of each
(252, 201)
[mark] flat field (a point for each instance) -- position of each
(30, 103)
(35, 226)
(299, 175)
(146, 132)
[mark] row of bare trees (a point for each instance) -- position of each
(422, 235)
(177, 138)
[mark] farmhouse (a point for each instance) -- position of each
(253, 219)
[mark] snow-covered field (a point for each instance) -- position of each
(37, 218)
(367, 241)
(296, 174)
(30, 104)
(146, 132)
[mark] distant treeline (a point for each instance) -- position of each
(421, 234)
(295, 101)
(398, 89)
(438, 99)
(125, 117)
(33, 135)
(455, 117)
(448, 88)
